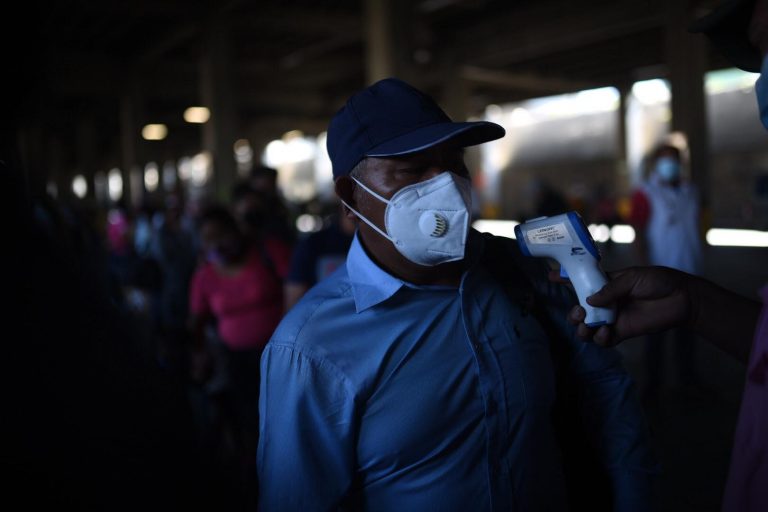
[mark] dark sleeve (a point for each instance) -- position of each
(603, 410)
(303, 262)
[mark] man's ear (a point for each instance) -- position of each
(345, 188)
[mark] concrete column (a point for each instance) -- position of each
(379, 33)
(687, 60)
(622, 182)
(388, 33)
(456, 92)
(86, 154)
(131, 144)
(56, 174)
(217, 89)
(33, 152)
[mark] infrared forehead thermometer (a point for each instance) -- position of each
(566, 239)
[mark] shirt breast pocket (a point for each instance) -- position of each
(531, 348)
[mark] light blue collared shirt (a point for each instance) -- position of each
(377, 394)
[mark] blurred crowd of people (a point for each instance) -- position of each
(192, 291)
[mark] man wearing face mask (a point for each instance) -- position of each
(423, 374)
(666, 217)
(653, 299)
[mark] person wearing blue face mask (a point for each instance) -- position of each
(424, 374)
(666, 216)
(653, 299)
(666, 213)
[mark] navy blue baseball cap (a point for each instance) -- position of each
(391, 118)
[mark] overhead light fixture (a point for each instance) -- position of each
(622, 234)
(197, 115)
(115, 184)
(200, 168)
(599, 232)
(151, 176)
(242, 149)
(737, 237)
(80, 186)
(154, 132)
(292, 134)
(651, 92)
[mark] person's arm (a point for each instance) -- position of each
(610, 412)
(653, 299)
(200, 314)
(306, 456)
(292, 292)
(301, 272)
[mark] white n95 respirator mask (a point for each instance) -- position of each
(428, 221)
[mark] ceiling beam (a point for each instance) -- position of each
(529, 33)
(319, 49)
(525, 81)
(306, 21)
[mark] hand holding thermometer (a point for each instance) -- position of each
(566, 239)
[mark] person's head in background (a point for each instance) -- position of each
(250, 208)
(174, 210)
(276, 223)
(264, 179)
(119, 231)
(546, 200)
(666, 165)
(221, 241)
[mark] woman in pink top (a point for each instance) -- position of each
(238, 288)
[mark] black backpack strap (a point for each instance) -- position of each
(524, 280)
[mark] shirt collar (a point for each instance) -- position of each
(372, 285)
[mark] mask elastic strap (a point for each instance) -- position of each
(361, 217)
(374, 194)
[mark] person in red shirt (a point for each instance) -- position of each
(239, 289)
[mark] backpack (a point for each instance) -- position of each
(587, 481)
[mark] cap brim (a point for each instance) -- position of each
(727, 27)
(462, 134)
